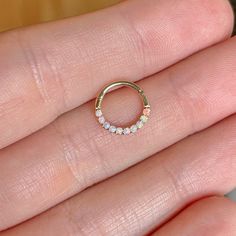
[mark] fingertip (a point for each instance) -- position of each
(222, 12)
(208, 216)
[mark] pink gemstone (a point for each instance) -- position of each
(146, 111)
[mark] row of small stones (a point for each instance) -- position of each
(133, 129)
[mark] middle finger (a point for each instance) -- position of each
(42, 68)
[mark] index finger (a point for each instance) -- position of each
(49, 69)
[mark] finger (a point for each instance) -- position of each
(210, 216)
(74, 152)
(146, 196)
(49, 69)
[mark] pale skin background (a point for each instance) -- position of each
(61, 174)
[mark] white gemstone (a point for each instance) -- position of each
(106, 125)
(98, 113)
(139, 124)
(119, 131)
(112, 129)
(126, 131)
(144, 119)
(133, 128)
(101, 120)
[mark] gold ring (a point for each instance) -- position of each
(119, 130)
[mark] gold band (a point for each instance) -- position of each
(121, 83)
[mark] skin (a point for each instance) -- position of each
(62, 174)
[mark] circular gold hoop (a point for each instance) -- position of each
(118, 130)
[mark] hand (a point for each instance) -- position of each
(171, 176)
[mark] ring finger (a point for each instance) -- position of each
(144, 197)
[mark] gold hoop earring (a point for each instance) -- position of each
(125, 130)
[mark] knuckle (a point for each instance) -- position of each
(222, 14)
(81, 153)
(43, 73)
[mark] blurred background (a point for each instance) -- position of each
(17, 13)
(233, 2)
